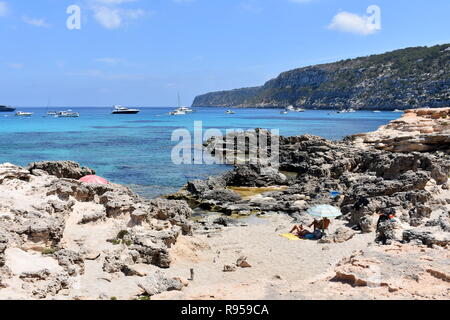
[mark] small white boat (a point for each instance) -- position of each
(230, 112)
(376, 111)
(350, 110)
(123, 110)
(24, 114)
(185, 109)
(284, 112)
(290, 108)
(67, 114)
(397, 110)
(177, 112)
(52, 113)
(295, 109)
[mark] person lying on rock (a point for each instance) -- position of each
(301, 232)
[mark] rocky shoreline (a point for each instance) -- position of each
(64, 239)
(413, 186)
(51, 225)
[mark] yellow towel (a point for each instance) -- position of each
(290, 236)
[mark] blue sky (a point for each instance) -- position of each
(142, 52)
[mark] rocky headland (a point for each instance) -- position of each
(63, 239)
(401, 79)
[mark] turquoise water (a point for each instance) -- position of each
(135, 149)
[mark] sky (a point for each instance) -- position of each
(142, 52)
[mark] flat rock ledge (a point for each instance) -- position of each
(423, 130)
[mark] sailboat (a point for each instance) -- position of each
(51, 112)
(181, 110)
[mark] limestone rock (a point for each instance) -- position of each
(340, 235)
(422, 130)
(62, 169)
(158, 283)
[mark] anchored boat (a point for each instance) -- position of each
(124, 110)
(23, 114)
(67, 114)
(7, 109)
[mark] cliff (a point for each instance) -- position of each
(401, 79)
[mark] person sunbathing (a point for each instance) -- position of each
(299, 231)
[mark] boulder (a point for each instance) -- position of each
(340, 235)
(256, 176)
(427, 236)
(9, 171)
(158, 282)
(222, 195)
(62, 169)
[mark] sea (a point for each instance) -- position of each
(135, 150)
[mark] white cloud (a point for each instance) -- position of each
(109, 18)
(4, 10)
(354, 23)
(111, 15)
(35, 22)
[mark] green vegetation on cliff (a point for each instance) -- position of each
(401, 79)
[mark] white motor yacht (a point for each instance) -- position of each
(7, 109)
(67, 114)
(230, 112)
(123, 110)
(24, 114)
